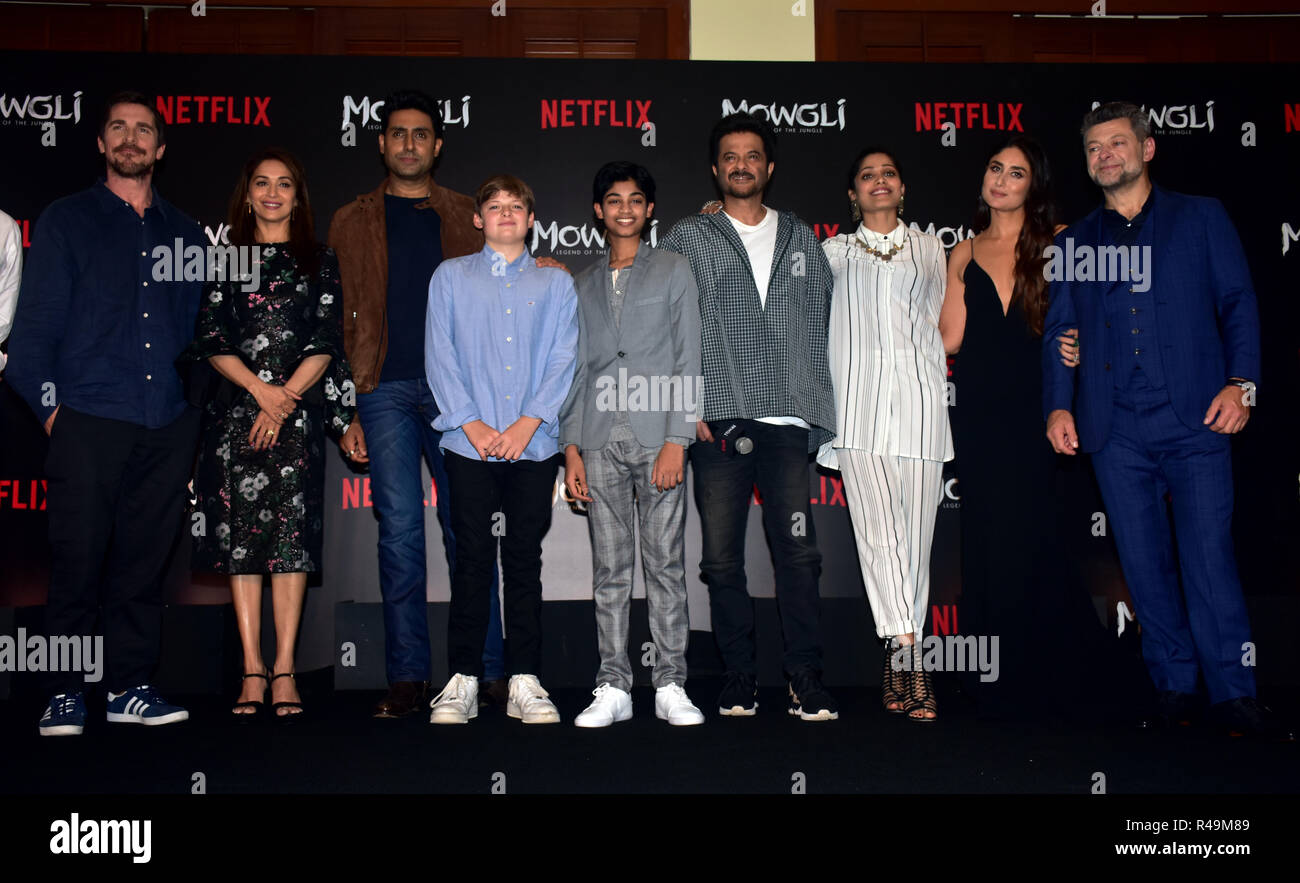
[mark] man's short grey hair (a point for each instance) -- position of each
(1118, 110)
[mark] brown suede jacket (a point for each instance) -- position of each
(358, 237)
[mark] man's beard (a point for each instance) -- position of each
(138, 165)
(1126, 177)
(412, 173)
(742, 189)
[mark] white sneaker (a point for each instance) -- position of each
(610, 706)
(528, 701)
(458, 701)
(673, 705)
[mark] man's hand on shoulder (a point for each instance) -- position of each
(548, 261)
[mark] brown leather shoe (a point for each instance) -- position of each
(494, 692)
(404, 697)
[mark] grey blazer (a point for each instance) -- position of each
(649, 365)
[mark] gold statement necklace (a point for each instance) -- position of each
(861, 241)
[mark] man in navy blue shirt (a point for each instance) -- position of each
(94, 341)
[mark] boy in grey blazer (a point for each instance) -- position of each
(625, 427)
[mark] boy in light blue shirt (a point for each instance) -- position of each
(500, 347)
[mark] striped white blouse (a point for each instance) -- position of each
(888, 367)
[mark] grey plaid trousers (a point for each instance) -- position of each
(618, 476)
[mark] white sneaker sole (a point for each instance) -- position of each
(693, 720)
(600, 723)
(453, 717)
(822, 715)
(739, 711)
(173, 718)
(544, 717)
(63, 730)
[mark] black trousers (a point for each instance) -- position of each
(492, 501)
(115, 496)
(724, 487)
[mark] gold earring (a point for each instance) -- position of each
(249, 206)
(854, 211)
(900, 207)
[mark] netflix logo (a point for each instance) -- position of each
(22, 493)
(999, 116)
(943, 619)
(231, 110)
(565, 113)
(831, 493)
(25, 227)
(825, 231)
(356, 493)
(1291, 112)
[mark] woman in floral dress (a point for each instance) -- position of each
(261, 469)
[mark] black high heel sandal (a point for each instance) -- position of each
(920, 695)
(276, 706)
(258, 705)
(893, 681)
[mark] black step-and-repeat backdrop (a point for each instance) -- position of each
(1232, 132)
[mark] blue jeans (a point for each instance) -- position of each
(397, 419)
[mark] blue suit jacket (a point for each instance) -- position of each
(1205, 316)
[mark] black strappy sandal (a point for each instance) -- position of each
(920, 694)
(258, 705)
(276, 706)
(893, 681)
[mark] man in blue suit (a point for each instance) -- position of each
(1157, 284)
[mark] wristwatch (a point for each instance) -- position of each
(1247, 385)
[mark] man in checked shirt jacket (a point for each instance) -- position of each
(764, 299)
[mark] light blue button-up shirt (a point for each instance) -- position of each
(500, 342)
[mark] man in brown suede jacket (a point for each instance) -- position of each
(389, 242)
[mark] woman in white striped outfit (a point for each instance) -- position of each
(888, 369)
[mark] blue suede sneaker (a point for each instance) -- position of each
(64, 716)
(142, 705)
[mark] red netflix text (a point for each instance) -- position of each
(829, 493)
(564, 113)
(356, 493)
(968, 115)
(22, 493)
(943, 619)
(234, 110)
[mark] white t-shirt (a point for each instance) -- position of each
(760, 245)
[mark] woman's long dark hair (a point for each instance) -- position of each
(1036, 234)
(302, 232)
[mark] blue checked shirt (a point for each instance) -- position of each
(500, 342)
